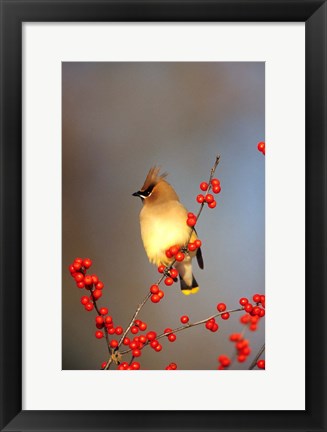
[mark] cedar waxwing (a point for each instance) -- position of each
(163, 224)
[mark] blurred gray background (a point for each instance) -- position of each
(119, 119)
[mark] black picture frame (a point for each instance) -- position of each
(13, 14)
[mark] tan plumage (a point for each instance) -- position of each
(163, 224)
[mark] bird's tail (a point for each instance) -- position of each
(186, 289)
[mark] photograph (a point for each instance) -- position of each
(163, 216)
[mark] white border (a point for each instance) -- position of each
(281, 46)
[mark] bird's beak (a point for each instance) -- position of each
(136, 194)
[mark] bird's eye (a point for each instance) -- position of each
(147, 191)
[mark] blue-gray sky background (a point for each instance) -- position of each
(118, 120)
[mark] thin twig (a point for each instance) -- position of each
(186, 326)
(253, 364)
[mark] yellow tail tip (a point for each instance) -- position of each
(190, 291)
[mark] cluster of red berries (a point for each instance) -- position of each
(242, 347)
(156, 293)
(90, 282)
(224, 361)
(171, 366)
(209, 198)
(191, 219)
(262, 147)
(175, 252)
(261, 364)
(125, 366)
(212, 325)
(253, 311)
(221, 307)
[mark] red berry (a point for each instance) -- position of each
(225, 316)
(161, 268)
(215, 182)
(133, 345)
(95, 279)
(224, 360)
(209, 325)
(99, 334)
(246, 351)
(168, 253)
(200, 198)
(97, 294)
(245, 319)
(143, 326)
(134, 329)
(114, 343)
(174, 249)
(158, 348)
(209, 198)
(173, 273)
(167, 330)
(212, 204)
(235, 337)
(88, 280)
(155, 298)
(87, 263)
(111, 330)
(79, 277)
(191, 247)
(126, 341)
(71, 269)
(204, 186)
(119, 330)
(99, 319)
(77, 265)
(84, 300)
(184, 319)
(261, 146)
(243, 301)
(248, 308)
(253, 327)
(143, 339)
(191, 215)
(135, 365)
(89, 306)
(136, 352)
(80, 284)
(168, 281)
(261, 364)
(151, 335)
(216, 189)
(256, 310)
(191, 222)
(173, 366)
(161, 294)
(221, 307)
(179, 256)
(99, 285)
(241, 358)
(154, 289)
(262, 313)
(103, 364)
(256, 298)
(214, 327)
(108, 319)
(172, 337)
(103, 311)
(154, 343)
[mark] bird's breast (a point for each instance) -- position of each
(163, 226)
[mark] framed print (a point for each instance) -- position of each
(110, 264)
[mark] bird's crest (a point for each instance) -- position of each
(153, 178)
